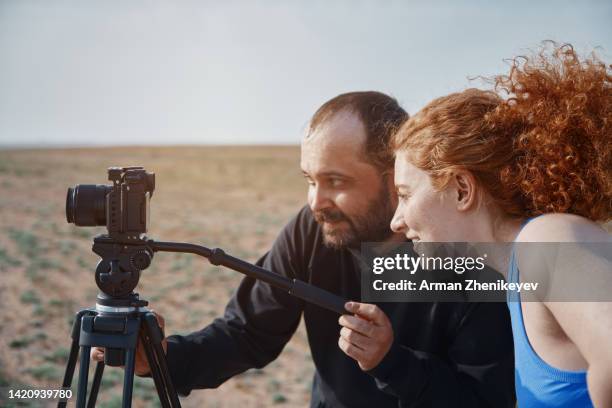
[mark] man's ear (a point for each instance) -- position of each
(465, 190)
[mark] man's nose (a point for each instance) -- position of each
(319, 199)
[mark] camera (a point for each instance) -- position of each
(122, 207)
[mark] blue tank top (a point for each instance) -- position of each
(537, 383)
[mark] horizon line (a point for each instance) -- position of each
(58, 146)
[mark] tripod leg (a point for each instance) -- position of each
(83, 373)
(95, 386)
(70, 366)
(160, 386)
(155, 334)
(74, 353)
(128, 377)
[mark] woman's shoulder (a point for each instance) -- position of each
(559, 227)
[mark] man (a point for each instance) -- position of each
(441, 354)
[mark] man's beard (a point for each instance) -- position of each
(371, 226)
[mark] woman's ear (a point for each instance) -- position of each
(465, 190)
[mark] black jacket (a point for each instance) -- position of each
(444, 354)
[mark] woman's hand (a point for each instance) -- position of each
(367, 335)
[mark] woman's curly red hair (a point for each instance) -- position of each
(539, 143)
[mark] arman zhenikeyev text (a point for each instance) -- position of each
(466, 285)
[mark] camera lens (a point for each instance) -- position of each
(86, 204)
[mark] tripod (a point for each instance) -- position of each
(120, 317)
(116, 324)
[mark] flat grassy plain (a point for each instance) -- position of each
(236, 198)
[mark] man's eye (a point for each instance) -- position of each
(334, 182)
(310, 181)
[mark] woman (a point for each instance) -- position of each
(473, 166)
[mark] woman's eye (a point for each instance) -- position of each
(403, 196)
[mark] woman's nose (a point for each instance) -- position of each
(397, 222)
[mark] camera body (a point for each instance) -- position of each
(122, 207)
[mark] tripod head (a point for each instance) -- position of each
(118, 271)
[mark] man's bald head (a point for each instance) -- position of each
(379, 114)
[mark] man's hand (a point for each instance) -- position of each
(367, 335)
(142, 364)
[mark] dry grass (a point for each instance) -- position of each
(236, 198)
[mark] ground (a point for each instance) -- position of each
(236, 198)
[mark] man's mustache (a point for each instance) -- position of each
(329, 216)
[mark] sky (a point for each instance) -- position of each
(120, 72)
